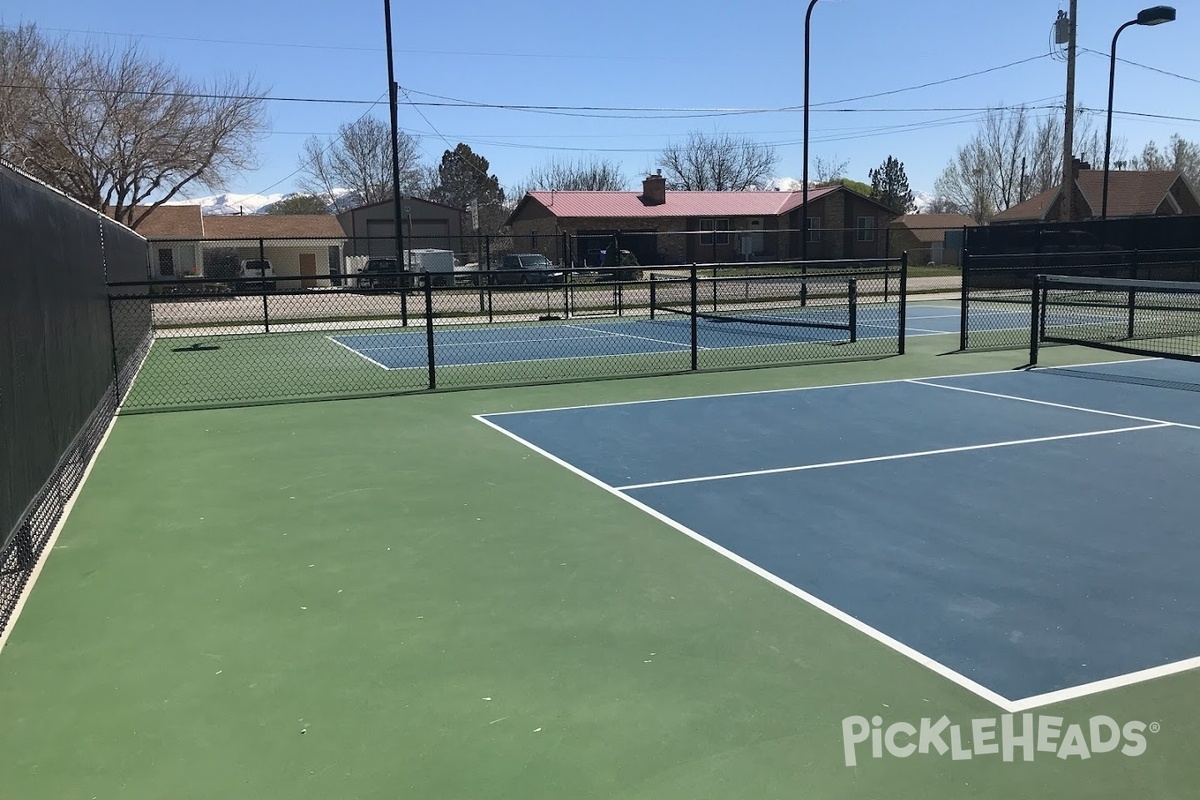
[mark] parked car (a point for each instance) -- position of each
(381, 273)
(527, 268)
(259, 268)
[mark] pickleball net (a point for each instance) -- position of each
(792, 307)
(1139, 317)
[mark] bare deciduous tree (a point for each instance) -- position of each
(1012, 158)
(121, 131)
(1177, 154)
(827, 171)
(718, 162)
(359, 159)
(588, 174)
(965, 183)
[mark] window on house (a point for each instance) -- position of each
(710, 225)
(814, 229)
(866, 229)
(166, 262)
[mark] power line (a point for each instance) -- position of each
(1107, 56)
(343, 48)
(324, 150)
(934, 83)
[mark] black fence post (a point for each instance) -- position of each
(903, 320)
(116, 367)
(653, 295)
(853, 309)
(694, 315)
(567, 284)
(263, 276)
(487, 266)
(429, 331)
(803, 284)
(966, 293)
(404, 280)
(1034, 318)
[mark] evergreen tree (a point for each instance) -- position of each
(889, 186)
(462, 177)
(299, 204)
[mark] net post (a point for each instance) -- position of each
(263, 285)
(400, 282)
(653, 295)
(853, 293)
(567, 283)
(1132, 301)
(694, 315)
(966, 294)
(1036, 303)
(804, 281)
(429, 331)
(903, 316)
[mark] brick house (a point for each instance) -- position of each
(668, 227)
(1130, 194)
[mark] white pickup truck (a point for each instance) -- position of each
(259, 268)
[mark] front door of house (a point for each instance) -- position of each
(308, 270)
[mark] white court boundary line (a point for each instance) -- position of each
(631, 336)
(70, 505)
(358, 353)
(833, 611)
(1008, 705)
(50, 543)
(893, 457)
(718, 395)
(1085, 409)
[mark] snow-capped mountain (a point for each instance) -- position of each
(232, 203)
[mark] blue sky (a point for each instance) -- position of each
(654, 55)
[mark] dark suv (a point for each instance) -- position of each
(527, 268)
(380, 273)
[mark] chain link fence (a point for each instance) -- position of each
(57, 361)
(249, 340)
(997, 290)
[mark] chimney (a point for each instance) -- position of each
(654, 189)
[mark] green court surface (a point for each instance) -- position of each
(385, 598)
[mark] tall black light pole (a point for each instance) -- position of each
(1149, 16)
(804, 185)
(393, 93)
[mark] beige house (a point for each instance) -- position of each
(930, 238)
(174, 234)
(669, 227)
(300, 245)
(185, 243)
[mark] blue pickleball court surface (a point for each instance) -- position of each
(1031, 532)
(589, 338)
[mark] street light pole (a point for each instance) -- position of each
(804, 185)
(1149, 16)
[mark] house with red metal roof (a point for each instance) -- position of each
(669, 227)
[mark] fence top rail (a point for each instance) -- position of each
(977, 259)
(1119, 284)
